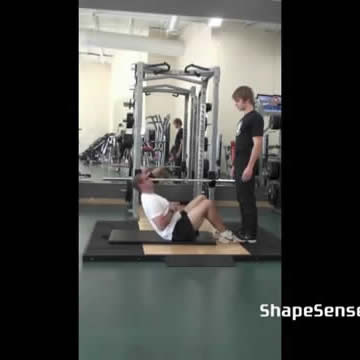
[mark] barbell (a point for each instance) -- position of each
(174, 179)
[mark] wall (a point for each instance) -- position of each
(94, 102)
(246, 57)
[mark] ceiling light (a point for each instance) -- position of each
(215, 22)
(172, 23)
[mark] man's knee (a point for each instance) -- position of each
(209, 203)
(202, 197)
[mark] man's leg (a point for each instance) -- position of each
(248, 207)
(194, 202)
(206, 210)
(240, 195)
(178, 163)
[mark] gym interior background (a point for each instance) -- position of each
(138, 310)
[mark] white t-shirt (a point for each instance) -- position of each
(155, 205)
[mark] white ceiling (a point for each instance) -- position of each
(142, 24)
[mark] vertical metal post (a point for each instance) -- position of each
(191, 133)
(215, 116)
(192, 149)
(138, 93)
(200, 139)
(185, 131)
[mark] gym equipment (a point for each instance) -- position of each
(120, 236)
(274, 194)
(273, 169)
(144, 73)
(179, 181)
(270, 163)
(218, 156)
(160, 147)
(129, 104)
(275, 122)
(268, 246)
(101, 150)
(206, 168)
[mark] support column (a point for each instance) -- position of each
(200, 139)
(138, 93)
(185, 131)
(214, 124)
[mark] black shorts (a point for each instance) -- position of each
(184, 230)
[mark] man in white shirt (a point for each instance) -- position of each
(176, 223)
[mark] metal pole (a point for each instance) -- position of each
(192, 150)
(176, 180)
(200, 139)
(163, 77)
(184, 141)
(137, 131)
(191, 133)
(215, 116)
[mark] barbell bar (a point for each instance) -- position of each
(172, 179)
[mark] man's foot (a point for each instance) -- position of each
(246, 238)
(226, 237)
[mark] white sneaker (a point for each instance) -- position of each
(225, 237)
(227, 234)
(223, 240)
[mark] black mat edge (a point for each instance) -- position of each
(180, 260)
(115, 257)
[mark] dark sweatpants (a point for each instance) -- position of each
(247, 201)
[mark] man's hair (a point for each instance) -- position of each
(178, 121)
(244, 93)
(136, 182)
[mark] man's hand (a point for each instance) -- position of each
(232, 172)
(247, 174)
(174, 206)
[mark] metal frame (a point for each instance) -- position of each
(147, 72)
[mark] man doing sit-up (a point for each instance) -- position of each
(176, 223)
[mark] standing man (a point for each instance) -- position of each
(176, 151)
(249, 138)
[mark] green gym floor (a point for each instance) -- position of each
(145, 310)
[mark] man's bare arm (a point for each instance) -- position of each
(163, 221)
(256, 151)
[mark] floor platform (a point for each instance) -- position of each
(268, 247)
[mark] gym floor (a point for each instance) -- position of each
(145, 310)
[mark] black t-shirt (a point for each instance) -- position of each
(178, 139)
(251, 125)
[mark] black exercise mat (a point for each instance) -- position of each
(267, 244)
(151, 237)
(199, 261)
(99, 248)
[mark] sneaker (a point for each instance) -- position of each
(223, 240)
(227, 234)
(226, 237)
(246, 238)
(220, 238)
